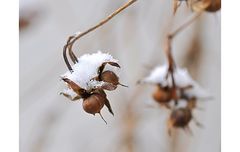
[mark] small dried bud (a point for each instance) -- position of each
(207, 5)
(180, 117)
(162, 95)
(94, 103)
(214, 6)
(110, 77)
(107, 103)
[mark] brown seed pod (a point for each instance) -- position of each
(199, 5)
(207, 5)
(214, 6)
(94, 103)
(180, 117)
(162, 95)
(110, 77)
(107, 103)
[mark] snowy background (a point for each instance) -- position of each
(51, 123)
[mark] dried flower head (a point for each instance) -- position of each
(87, 79)
(90, 76)
(175, 86)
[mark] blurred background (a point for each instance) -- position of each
(50, 122)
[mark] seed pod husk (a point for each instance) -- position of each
(94, 103)
(180, 117)
(110, 77)
(162, 95)
(214, 6)
(107, 103)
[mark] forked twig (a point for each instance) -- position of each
(168, 51)
(185, 24)
(75, 37)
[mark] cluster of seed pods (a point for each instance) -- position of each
(94, 96)
(176, 92)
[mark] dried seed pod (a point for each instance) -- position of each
(207, 5)
(107, 103)
(162, 95)
(94, 103)
(214, 6)
(180, 117)
(110, 77)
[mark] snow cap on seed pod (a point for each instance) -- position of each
(158, 76)
(87, 69)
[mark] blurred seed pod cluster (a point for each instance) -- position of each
(176, 91)
(88, 80)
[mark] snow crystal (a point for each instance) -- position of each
(87, 69)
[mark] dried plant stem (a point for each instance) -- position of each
(190, 20)
(71, 54)
(74, 38)
(171, 64)
(168, 51)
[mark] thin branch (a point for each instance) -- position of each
(168, 51)
(184, 25)
(71, 54)
(78, 36)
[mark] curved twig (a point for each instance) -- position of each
(74, 38)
